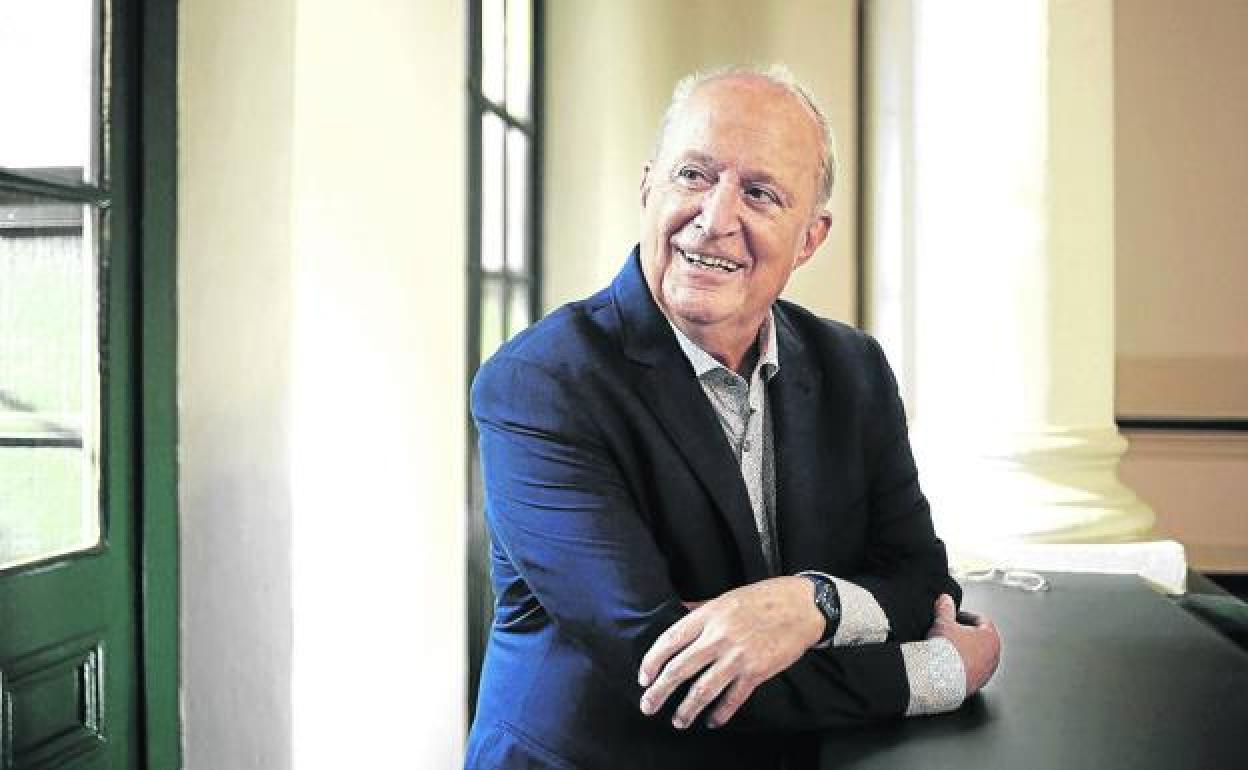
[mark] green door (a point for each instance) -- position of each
(71, 681)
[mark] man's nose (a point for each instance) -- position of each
(720, 214)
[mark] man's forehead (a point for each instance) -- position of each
(752, 101)
(732, 92)
(776, 129)
(741, 82)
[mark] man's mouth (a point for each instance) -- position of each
(708, 261)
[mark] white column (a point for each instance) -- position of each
(377, 403)
(235, 279)
(321, 388)
(1009, 170)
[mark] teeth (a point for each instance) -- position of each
(708, 261)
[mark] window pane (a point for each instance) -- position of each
(518, 309)
(517, 199)
(519, 55)
(491, 317)
(492, 42)
(49, 379)
(48, 52)
(491, 192)
(42, 502)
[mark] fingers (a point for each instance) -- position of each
(682, 667)
(722, 684)
(727, 647)
(732, 700)
(982, 654)
(677, 637)
(974, 636)
(943, 621)
(705, 690)
(988, 628)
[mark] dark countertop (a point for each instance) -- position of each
(1099, 672)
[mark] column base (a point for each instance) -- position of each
(1050, 486)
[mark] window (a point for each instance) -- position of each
(88, 490)
(54, 205)
(503, 269)
(504, 260)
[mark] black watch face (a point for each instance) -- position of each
(828, 605)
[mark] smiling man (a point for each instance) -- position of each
(709, 541)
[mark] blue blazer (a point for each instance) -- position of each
(612, 495)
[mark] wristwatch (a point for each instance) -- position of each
(828, 601)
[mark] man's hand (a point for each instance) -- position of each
(977, 641)
(735, 642)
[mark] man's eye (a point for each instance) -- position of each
(762, 195)
(689, 174)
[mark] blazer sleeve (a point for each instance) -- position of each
(561, 514)
(564, 521)
(905, 566)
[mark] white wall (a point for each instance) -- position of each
(610, 70)
(235, 295)
(321, 383)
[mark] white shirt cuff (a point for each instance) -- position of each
(862, 619)
(937, 676)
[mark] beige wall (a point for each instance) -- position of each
(610, 70)
(1182, 198)
(320, 383)
(1196, 483)
(1181, 99)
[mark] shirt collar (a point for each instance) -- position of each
(703, 362)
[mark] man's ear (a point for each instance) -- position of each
(816, 233)
(645, 183)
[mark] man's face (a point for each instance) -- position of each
(729, 207)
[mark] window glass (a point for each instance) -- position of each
(518, 309)
(491, 316)
(51, 108)
(49, 378)
(493, 56)
(491, 192)
(519, 56)
(517, 200)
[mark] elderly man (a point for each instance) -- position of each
(709, 541)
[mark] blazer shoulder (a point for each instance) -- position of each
(829, 337)
(568, 345)
(565, 334)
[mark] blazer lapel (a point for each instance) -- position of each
(668, 387)
(794, 402)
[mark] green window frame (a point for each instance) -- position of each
(504, 275)
(138, 332)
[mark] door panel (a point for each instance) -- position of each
(69, 656)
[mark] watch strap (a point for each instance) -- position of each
(828, 602)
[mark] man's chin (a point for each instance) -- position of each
(697, 313)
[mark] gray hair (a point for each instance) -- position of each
(776, 74)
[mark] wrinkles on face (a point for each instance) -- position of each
(729, 210)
